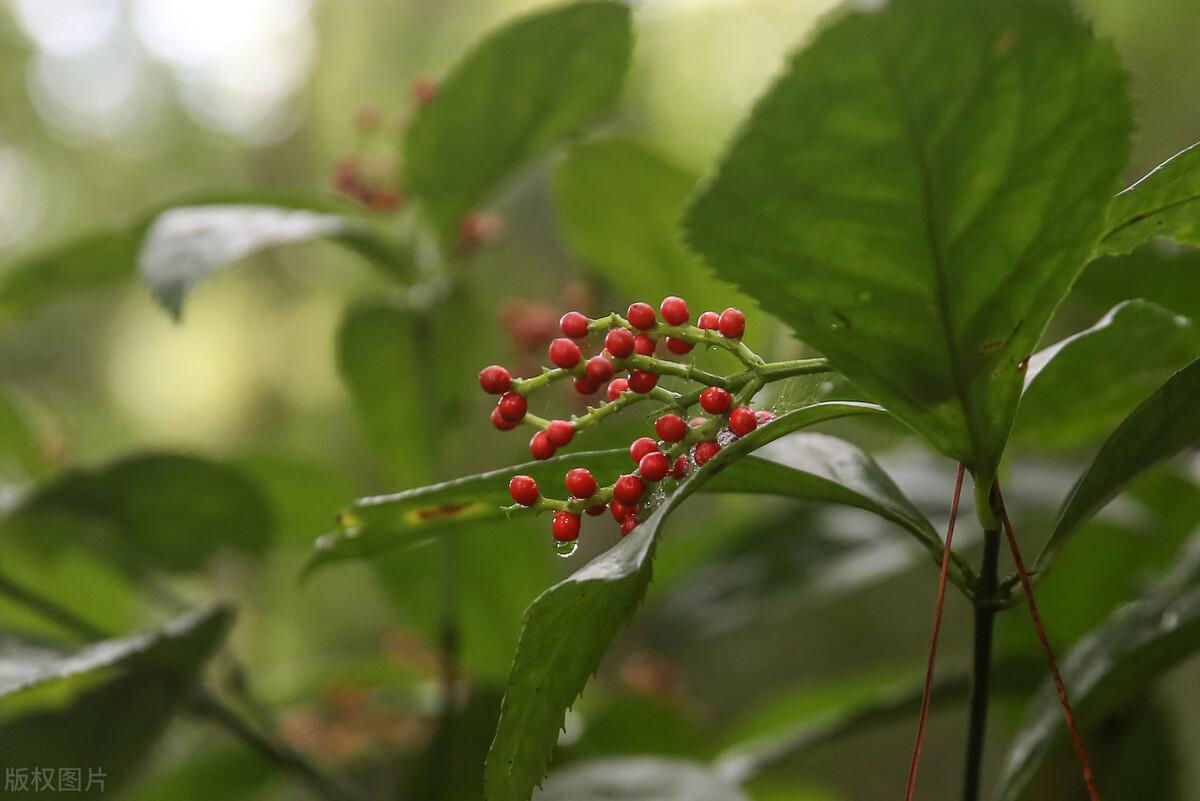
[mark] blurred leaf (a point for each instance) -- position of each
(619, 206)
(915, 196)
(157, 510)
(1085, 385)
(817, 716)
(228, 774)
(1160, 272)
(570, 626)
(634, 724)
(1165, 202)
(377, 359)
(450, 767)
(108, 256)
(187, 244)
(520, 90)
(18, 448)
(1164, 424)
(1108, 667)
(104, 707)
(638, 779)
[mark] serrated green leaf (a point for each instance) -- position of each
(570, 626)
(108, 256)
(1165, 202)
(520, 90)
(618, 205)
(185, 245)
(916, 194)
(104, 707)
(1084, 386)
(1164, 424)
(639, 779)
(1108, 667)
(154, 510)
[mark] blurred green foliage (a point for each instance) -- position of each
(147, 466)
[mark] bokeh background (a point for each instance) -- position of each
(111, 107)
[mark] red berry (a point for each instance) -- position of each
(742, 421)
(628, 525)
(628, 489)
(680, 469)
(495, 380)
(616, 387)
(620, 511)
(524, 490)
(710, 321)
(763, 417)
(599, 369)
(674, 310)
(424, 90)
(696, 422)
(714, 400)
(540, 446)
(653, 466)
(581, 483)
(512, 407)
(560, 433)
(564, 353)
(644, 345)
(573, 325)
(670, 427)
(705, 451)
(565, 526)
(679, 346)
(642, 382)
(584, 385)
(732, 323)
(619, 342)
(499, 422)
(640, 447)
(641, 315)
(596, 510)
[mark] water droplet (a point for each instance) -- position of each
(565, 550)
(1023, 364)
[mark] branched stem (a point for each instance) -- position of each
(985, 620)
(203, 704)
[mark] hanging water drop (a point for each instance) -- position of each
(565, 550)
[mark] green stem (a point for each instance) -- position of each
(985, 619)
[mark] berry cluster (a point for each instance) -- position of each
(628, 369)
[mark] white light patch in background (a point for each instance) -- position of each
(100, 93)
(66, 28)
(22, 195)
(238, 63)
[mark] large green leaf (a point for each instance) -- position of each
(103, 708)
(1113, 664)
(639, 779)
(1166, 202)
(520, 90)
(108, 256)
(1082, 387)
(618, 205)
(916, 194)
(570, 626)
(1164, 424)
(155, 510)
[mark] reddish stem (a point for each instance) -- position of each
(1088, 778)
(933, 643)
